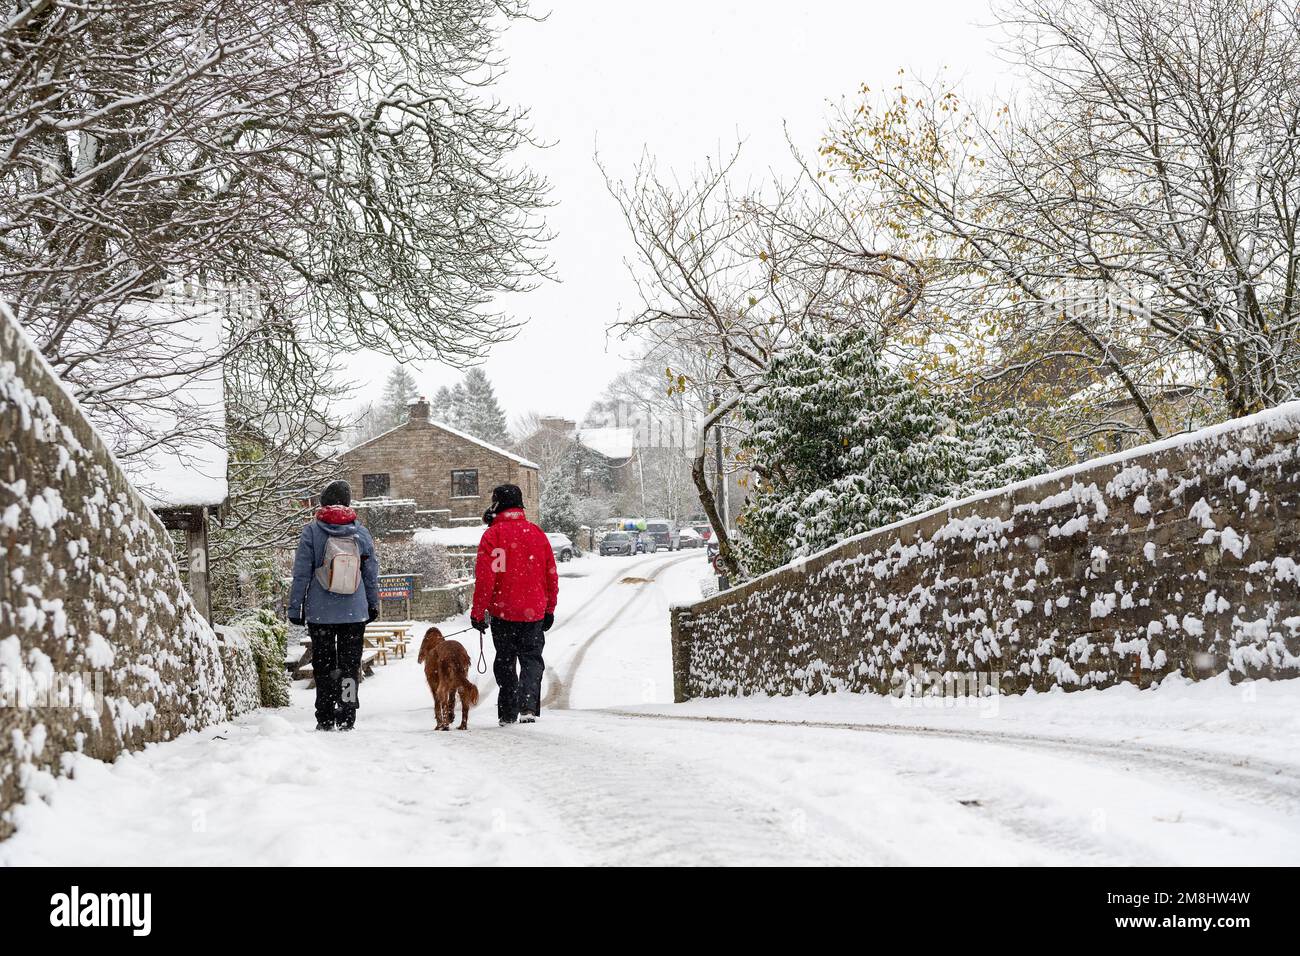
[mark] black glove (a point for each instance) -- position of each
(480, 625)
(372, 613)
(547, 622)
(490, 515)
(296, 621)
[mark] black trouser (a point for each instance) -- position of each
(522, 642)
(336, 663)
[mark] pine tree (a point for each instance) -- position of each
(559, 505)
(399, 392)
(842, 444)
(481, 414)
(457, 412)
(440, 409)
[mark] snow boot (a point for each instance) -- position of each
(324, 727)
(506, 723)
(527, 718)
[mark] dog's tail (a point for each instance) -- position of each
(470, 690)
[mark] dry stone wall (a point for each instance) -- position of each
(101, 648)
(1177, 556)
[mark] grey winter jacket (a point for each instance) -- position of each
(326, 607)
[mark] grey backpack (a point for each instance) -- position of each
(340, 571)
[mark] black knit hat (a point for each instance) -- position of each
(507, 496)
(336, 493)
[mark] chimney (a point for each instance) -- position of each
(555, 423)
(419, 411)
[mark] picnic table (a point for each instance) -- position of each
(388, 636)
(380, 639)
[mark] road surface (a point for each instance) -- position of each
(615, 773)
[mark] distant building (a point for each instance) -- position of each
(183, 480)
(446, 472)
(606, 462)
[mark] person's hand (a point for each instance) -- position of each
(296, 621)
(372, 614)
(548, 621)
(479, 625)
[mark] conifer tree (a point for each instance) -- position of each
(481, 413)
(559, 505)
(842, 444)
(399, 392)
(440, 409)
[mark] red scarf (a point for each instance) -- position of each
(336, 514)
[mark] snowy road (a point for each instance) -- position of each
(615, 773)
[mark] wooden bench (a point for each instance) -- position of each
(367, 669)
(388, 636)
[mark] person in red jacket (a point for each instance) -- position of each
(515, 582)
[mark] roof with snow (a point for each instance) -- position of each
(466, 536)
(614, 443)
(189, 471)
(454, 431)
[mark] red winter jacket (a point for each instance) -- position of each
(514, 577)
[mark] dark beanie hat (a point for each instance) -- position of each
(336, 493)
(507, 496)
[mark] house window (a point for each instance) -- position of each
(464, 483)
(374, 486)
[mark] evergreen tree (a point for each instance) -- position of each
(559, 505)
(440, 409)
(457, 412)
(842, 444)
(399, 393)
(481, 414)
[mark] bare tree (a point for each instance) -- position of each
(337, 161)
(1124, 236)
(731, 276)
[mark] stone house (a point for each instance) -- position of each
(446, 472)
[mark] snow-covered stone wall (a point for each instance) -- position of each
(1175, 556)
(101, 648)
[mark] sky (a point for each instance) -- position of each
(683, 80)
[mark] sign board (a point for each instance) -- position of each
(396, 587)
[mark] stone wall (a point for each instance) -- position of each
(387, 517)
(101, 648)
(429, 604)
(1176, 556)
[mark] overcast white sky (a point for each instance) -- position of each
(684, 79)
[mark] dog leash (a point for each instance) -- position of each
(481, 667)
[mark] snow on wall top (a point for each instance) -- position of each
(1265, 422)
(464, 537)
(95, 595)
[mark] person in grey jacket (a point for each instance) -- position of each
(335, 622)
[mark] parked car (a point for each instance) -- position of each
(704, 531)
(618, 542)
(646, 543)
(561, 546)
(689, 538)
(665, 537)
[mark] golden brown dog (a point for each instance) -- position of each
(446, 668)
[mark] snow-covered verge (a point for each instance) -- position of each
(253, 650)
(101, 648)
(1174, 557)
(1250, 720)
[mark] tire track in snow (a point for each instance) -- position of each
(626, 804)
(557, 695)
(488, 688)
(1259, 781)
